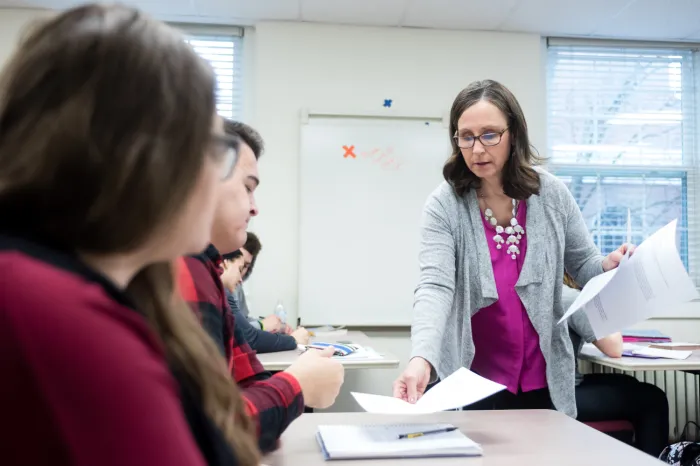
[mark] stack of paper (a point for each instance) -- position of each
(679, 346)
(382, 441)
(460, 389)
(644, 285)
(631, 350)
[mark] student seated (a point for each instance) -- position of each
(261, 341)
(250, 252)
(607, 397)
(110, 156)
(273, 402)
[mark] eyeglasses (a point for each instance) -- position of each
(467, 141)
(227, 152)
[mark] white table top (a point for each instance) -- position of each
(283, 359)
(509, 438)
(592, 354)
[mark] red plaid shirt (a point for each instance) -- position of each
(272, 401)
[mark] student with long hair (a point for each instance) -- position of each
(110, 157)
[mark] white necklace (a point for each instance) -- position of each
(515, 232)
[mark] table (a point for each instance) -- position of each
(283, 359)
(522, 438)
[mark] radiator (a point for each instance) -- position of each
(682, 390)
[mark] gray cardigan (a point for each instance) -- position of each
(456, 279)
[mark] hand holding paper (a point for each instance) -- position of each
(643, 286)
(460, 389)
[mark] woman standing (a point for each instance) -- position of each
(497, 236)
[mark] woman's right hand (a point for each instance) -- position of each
(412, 383)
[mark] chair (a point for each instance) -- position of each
(619, 429)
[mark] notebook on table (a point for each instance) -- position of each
(344, 442)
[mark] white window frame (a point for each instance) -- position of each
(236, 35)
(691, 169)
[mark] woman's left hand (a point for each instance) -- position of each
(614, 258)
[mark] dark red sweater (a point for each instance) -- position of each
(84, 381)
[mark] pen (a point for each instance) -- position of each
(427, 432)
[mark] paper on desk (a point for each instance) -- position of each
(639, 350)
(460, 389)
(644, 285)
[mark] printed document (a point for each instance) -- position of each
(646, 284)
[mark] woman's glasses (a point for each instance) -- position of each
(467, 140)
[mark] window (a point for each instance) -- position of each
(621, 135)
(223, 51)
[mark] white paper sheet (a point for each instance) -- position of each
(644, 285)
(460, 389)
(642, 350)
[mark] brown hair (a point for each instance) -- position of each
(253, 246)
(247, 134)
(570, 282)
(105, 118)
(520, 179)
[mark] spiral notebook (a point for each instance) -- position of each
(344, 442)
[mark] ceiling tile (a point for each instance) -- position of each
(561, 17)
(653, 19)
(366, 12)
(156, 8)
(271, 10)
(457, 14)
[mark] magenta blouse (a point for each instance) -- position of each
(507, 347)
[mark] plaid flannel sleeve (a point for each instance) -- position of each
(272, 402)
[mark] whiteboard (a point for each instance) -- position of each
(360, 214)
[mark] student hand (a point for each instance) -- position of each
(272, 323)
(319, 376)
(287, 329)
(412, 383)
(613, 259)
(301, 335)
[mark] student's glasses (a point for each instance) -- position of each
(227, 149)
(489, 138)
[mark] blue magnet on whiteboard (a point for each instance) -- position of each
(387, 103)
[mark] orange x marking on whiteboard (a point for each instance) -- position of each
(349, 152)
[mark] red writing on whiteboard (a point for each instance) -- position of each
(349, 152)
(384, 158)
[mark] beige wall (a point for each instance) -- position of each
(12, 25)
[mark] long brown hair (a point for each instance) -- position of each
(105, 120)
(520, 180)
(570, 282)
